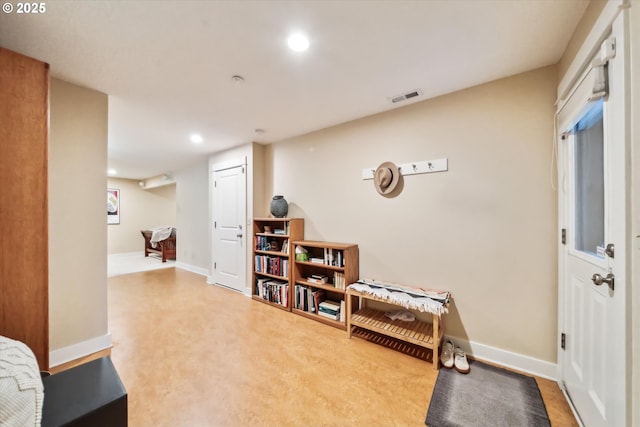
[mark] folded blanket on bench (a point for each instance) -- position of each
(421, 299)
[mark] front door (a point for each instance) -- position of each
(229, 234)
(592, 259)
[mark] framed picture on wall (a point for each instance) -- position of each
(113, 206)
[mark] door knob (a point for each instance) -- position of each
(610, 250)
(599, 280)
(239, 235)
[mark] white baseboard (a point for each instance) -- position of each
(127, 254)
(194, 269)
(520, 362)
(81, 349)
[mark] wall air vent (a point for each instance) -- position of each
(405, 96)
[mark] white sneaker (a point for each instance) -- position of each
(447, 354)
(462, 365)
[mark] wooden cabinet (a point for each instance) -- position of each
(321, 279)
(273, 259)
(24, 133)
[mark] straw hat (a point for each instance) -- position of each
(386, 178)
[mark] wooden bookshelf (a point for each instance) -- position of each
(273, 257)
(24, 160)
(339, 262)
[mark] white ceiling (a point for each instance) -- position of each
(167, 65)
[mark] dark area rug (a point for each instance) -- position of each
(486, 396)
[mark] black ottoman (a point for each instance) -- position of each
(87, 395)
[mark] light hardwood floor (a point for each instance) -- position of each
(192, 354)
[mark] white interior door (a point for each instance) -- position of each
(229, 234)
(592, 260)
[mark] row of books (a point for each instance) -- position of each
(264, 243)
(273, 291)
(339, 280)
(272, 265)
(333, 257)
(312, 301)
(307, 299)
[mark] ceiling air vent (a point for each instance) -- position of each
(405, 96)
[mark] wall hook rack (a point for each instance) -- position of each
(414, 168)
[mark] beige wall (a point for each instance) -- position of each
(192, 200)
(77, 224)
(589, 17)
(485, 230)
(261, 198)
(140, 209)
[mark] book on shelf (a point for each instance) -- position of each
(317, 278)
(338, 280)
(301, 300)
(342, 312)
(327, 311)
(259, 287)
(311, 301)
(329, 316)
(330, 306)
(280, 231)
(328, 256)
(316, 260)
(318, 296)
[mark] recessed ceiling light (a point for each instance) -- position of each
(112, 171)
(237, 79)
(259, 131)
(196, 139)
(298, 42)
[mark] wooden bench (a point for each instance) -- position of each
(419, 333)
